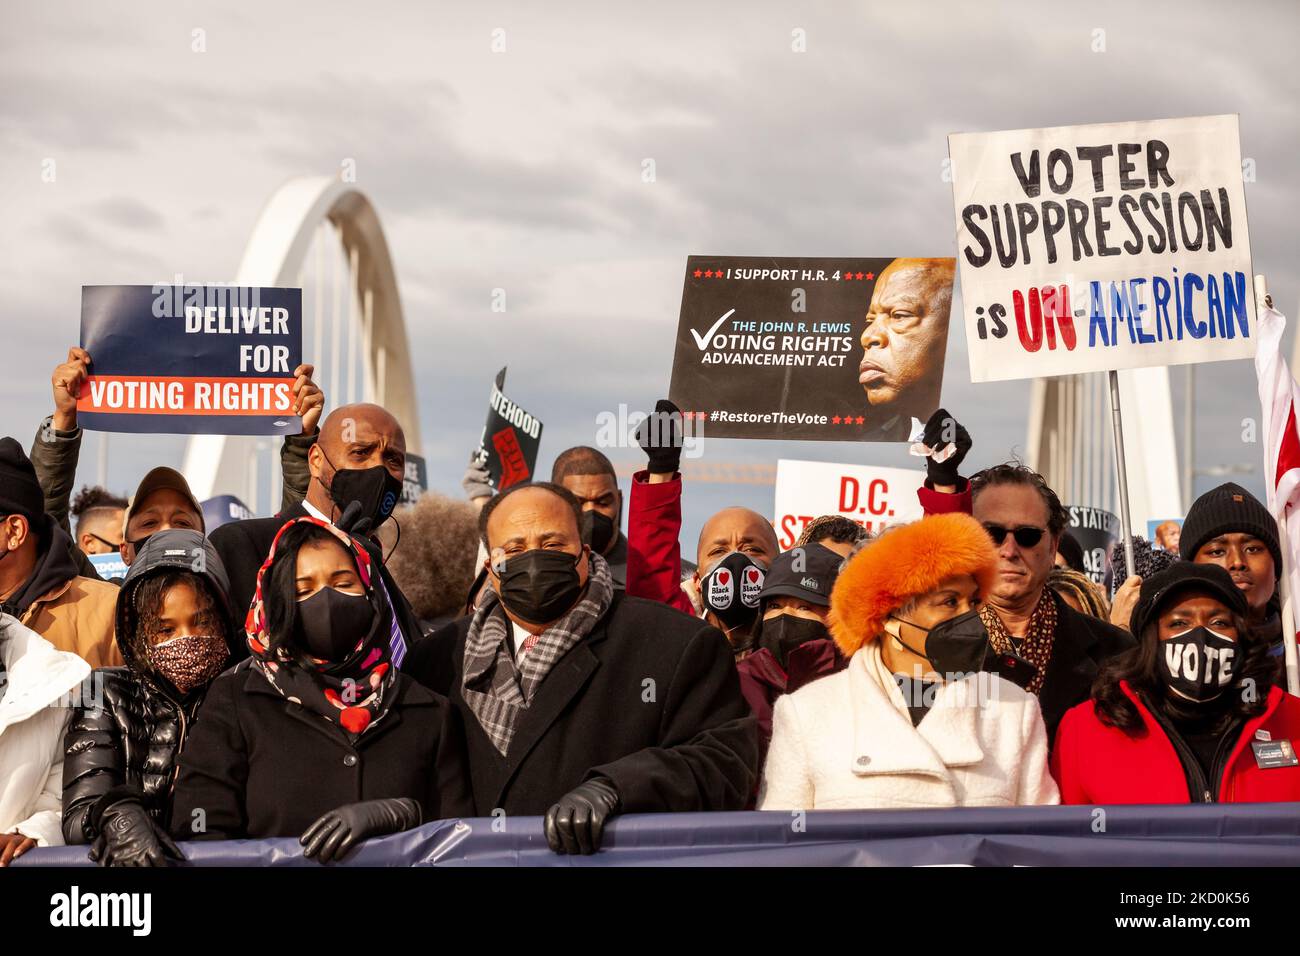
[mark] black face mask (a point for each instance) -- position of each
(597, 530)
(331, 623)
(374, 489)
(784, 633)
(1198, 664)
(960, 646)
(731, 589)
(539, 586)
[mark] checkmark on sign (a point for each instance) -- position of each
(703, 341)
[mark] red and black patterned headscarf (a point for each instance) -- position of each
(353, 693)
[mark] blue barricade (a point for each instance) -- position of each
(1262, 834)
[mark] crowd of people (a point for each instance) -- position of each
(319, 674)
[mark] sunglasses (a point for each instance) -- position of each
(1026, 536)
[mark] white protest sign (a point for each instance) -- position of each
(1116, 245)
(873, 497)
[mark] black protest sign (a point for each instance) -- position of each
(1096, 530)
(511, 438)
(811, 348)
(195, 359)
(415, 481)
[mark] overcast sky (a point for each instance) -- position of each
(521, 170)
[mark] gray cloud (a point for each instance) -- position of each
(522, 171)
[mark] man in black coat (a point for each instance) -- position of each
(1025, 519)
(579, 702)
(360, 457)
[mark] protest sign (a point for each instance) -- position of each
(1165, 533)
(511, 438)
(1103, 247)
(190, 359)
(1096, 530)
(873, 497)
(801, 348)
(109, 566)
(415, 482)
(224, 509)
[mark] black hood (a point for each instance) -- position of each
(54, 567)
(171, 550)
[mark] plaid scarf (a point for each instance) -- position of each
(1035, 646)
(497, 687)
(354, 693)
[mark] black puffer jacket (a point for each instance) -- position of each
(124, 744)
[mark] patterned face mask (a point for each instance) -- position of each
(189, 661)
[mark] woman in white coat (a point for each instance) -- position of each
(37, 686)
(915, 720)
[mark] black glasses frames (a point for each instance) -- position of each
(1026, 535)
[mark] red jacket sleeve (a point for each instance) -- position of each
(654, 524)
(937, 503)
(1066, 754)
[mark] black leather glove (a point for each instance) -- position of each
(337, 832)
(575, 824)
(660, 437)
(940, 431)
(128, 836)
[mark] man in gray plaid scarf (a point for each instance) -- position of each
(579, 702)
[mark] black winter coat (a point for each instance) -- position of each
(650, 700)
(1081, 645)
(129, 743)
(124, 743)
(243, 547)
(258, 766)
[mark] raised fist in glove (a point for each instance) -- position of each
(575, 824)
(128, 836)
(337, 832)
(660, 437)
(941, 431)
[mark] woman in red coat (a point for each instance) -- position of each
(1192, 714)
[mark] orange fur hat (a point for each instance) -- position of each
(905, 563)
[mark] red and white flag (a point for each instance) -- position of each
(1279, 396)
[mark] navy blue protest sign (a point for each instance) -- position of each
(190, 359)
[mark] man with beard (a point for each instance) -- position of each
(1023, 615)
(590, 477)
(356, 466)
(903, 343)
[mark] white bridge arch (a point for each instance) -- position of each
(1070, 442)
(322, 235)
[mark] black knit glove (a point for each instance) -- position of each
(660, 437)
(940, 431)
(337, 832)
(576, 823)
(128, 836)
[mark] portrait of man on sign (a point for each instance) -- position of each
(903, 342)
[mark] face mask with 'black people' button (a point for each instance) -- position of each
(730, 590)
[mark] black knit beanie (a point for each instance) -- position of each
(1225, 509)
(1184, 576)
(20, 492)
